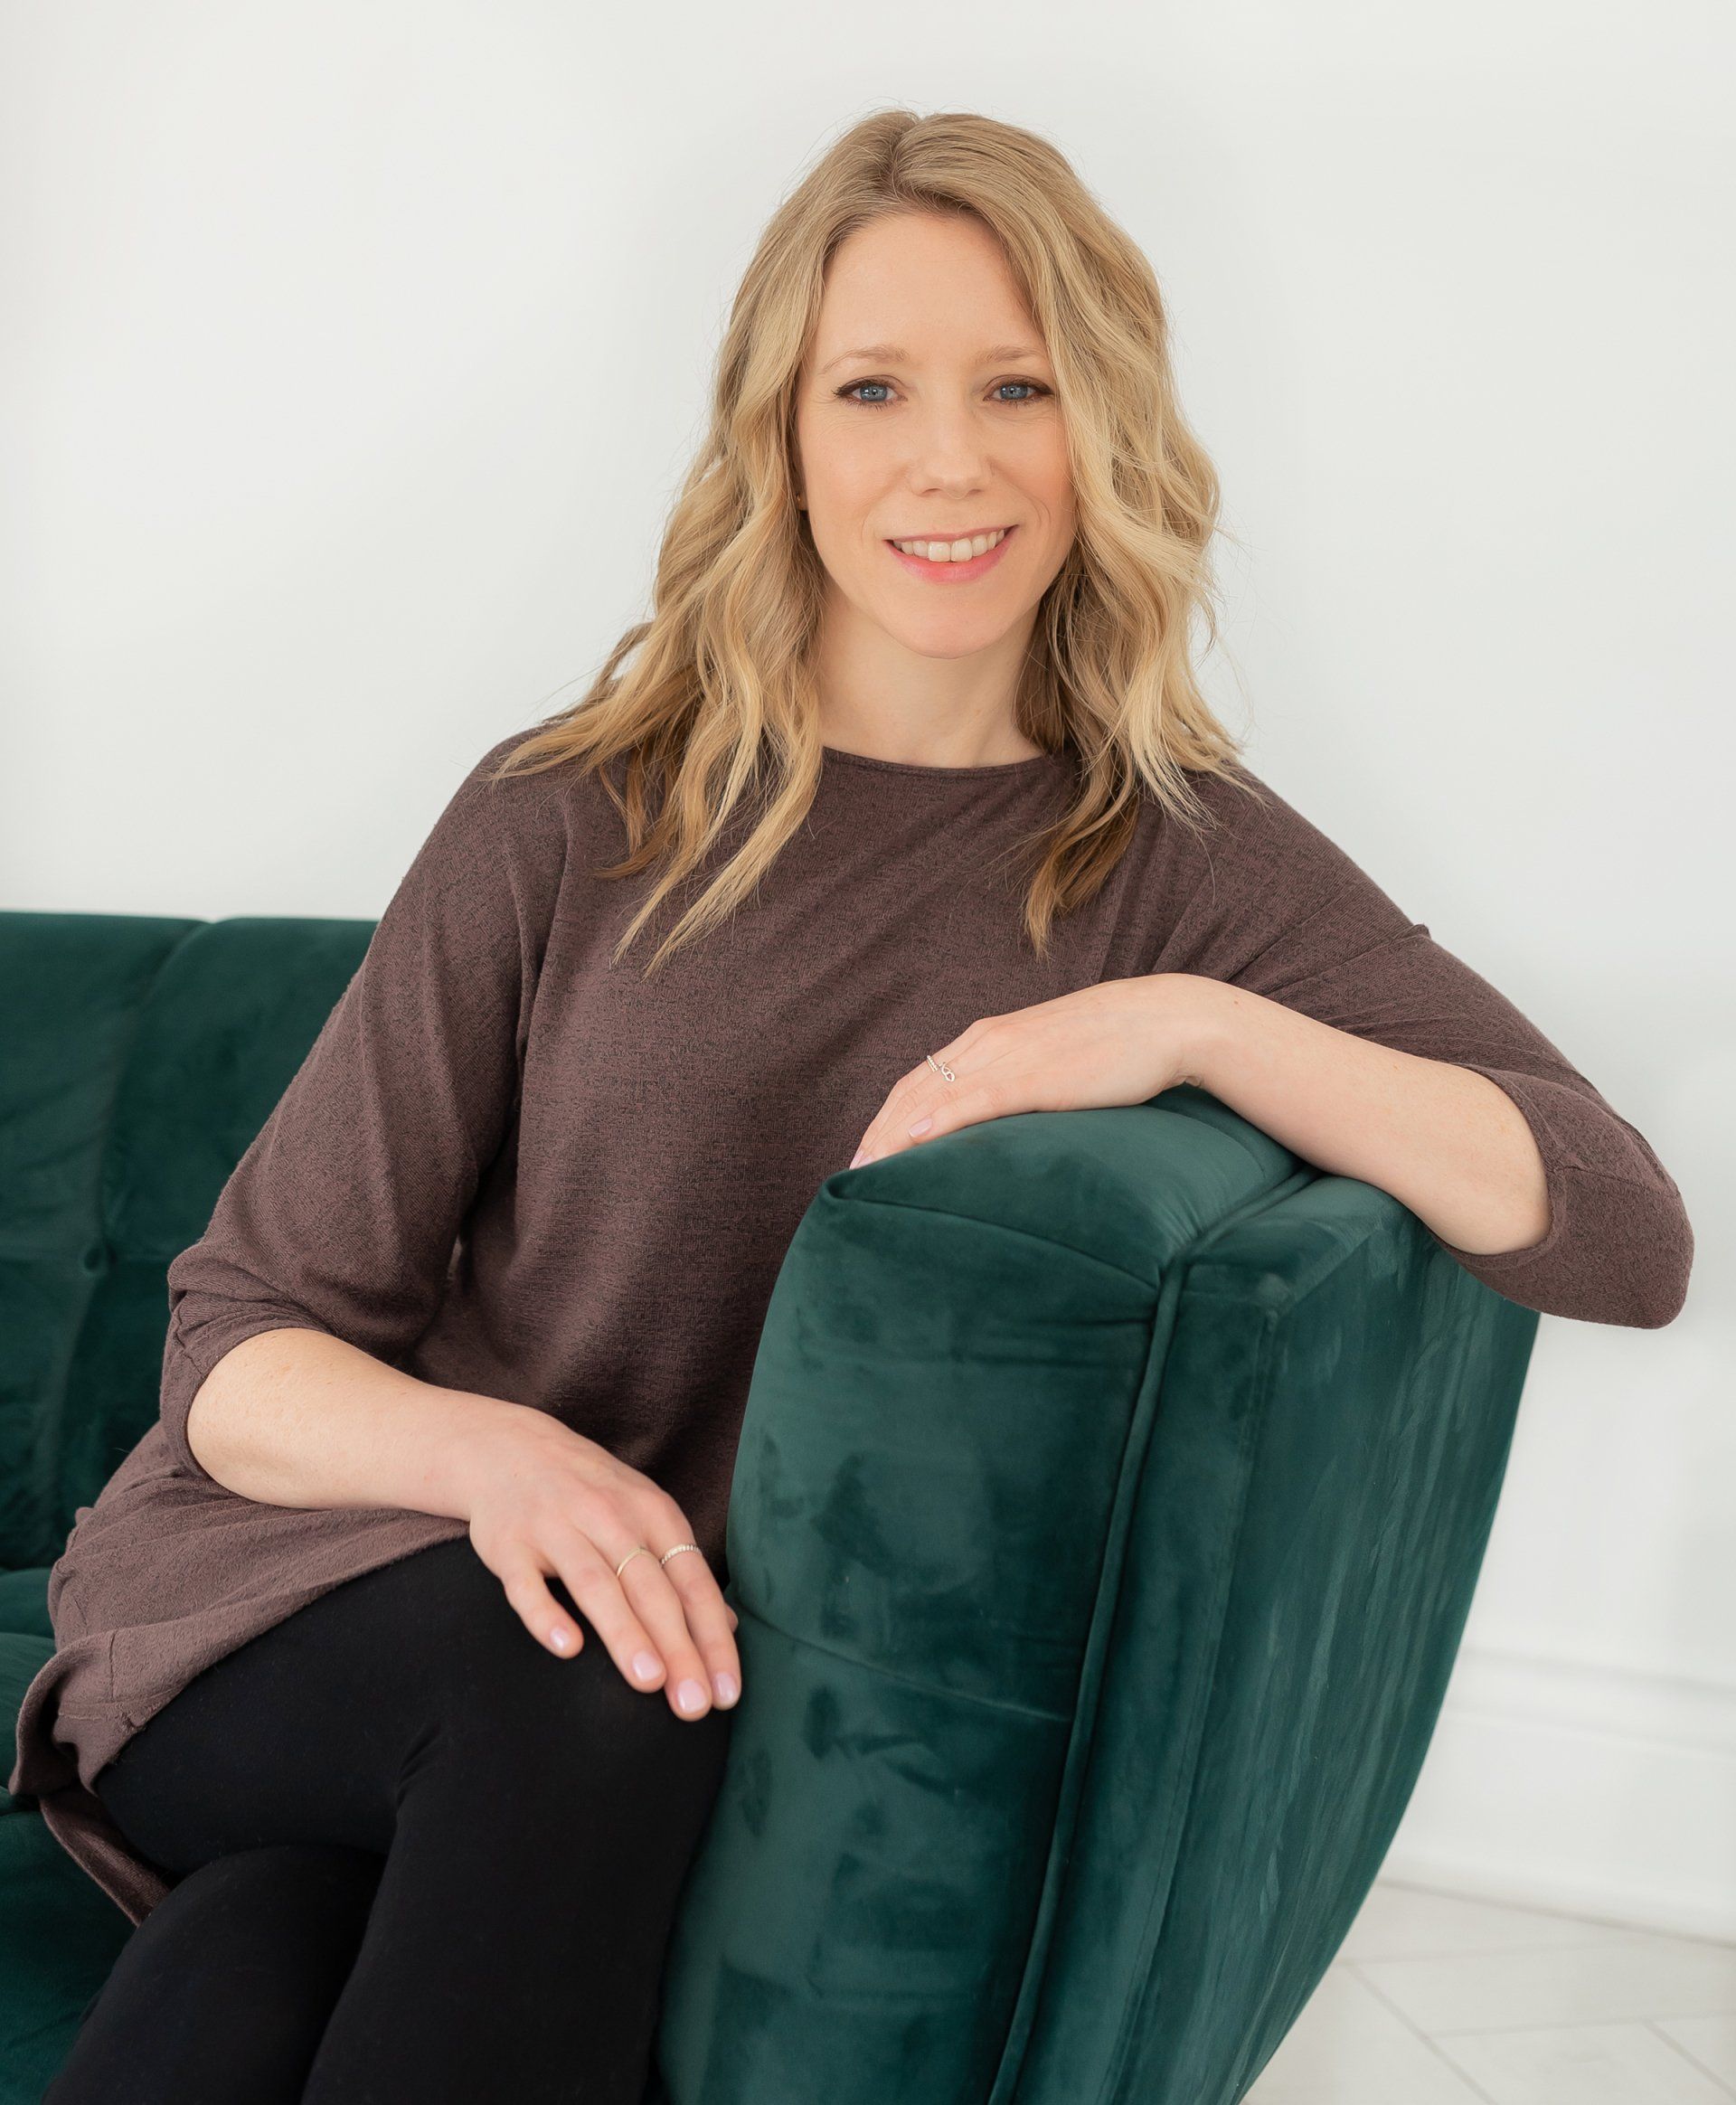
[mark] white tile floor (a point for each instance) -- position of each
(1433, 2000)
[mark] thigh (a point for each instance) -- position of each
(545, 1831)
(222, 1994)
(537, 1816)
(416, 1677)
(303, 1732)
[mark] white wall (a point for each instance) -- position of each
(351, 353)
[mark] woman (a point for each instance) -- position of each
(394, 1670)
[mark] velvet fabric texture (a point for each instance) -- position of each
(1109, 1503)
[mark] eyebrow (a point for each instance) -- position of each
(892, 353)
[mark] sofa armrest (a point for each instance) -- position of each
(945, 1470)
(1305, 1534)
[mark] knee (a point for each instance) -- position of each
(509, 1708)
(543, 1717)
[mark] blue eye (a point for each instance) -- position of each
(850, 392)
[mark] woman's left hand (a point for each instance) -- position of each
(1120, 1041)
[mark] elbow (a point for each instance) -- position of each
(1645, 1279)
(1675, 1234)
(1654, 1259)
(200, 1367)
(1667, 1294)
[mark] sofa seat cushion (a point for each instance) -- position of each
(23, 1601)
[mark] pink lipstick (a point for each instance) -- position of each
(954, 573)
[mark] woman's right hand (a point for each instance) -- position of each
(544, 1499)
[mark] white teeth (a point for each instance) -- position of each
(952, 551)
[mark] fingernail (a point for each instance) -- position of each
(921, 1125)
(646, 1666)
(558, 1639)
(727, 1691)
(691, 1696)
(856, 1158)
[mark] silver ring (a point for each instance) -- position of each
(941, 1067)
(677, 1550)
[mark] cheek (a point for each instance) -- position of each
(843, 465)
(845, 509)
(846, 545)
(1052, 479)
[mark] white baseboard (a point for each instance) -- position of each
(1592, 1790)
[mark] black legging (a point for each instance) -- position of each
(419, 1858)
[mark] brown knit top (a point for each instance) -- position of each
(509, 1167)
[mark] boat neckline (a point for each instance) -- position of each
(989, 768)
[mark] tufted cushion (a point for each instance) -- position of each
(140, 1056)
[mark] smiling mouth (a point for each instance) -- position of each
(950, 569)
(960, 547)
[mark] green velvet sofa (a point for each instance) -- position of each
(1109, 1503)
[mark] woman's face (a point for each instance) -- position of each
(926, 410)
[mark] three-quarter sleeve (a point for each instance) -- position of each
(1297, 920)
(342, 1214)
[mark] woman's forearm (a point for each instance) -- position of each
(294, 1417)
(1443, 1140)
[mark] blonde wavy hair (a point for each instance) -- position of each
(718, 712)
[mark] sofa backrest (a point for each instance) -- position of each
(139, 1056)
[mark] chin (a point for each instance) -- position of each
(940, 638)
